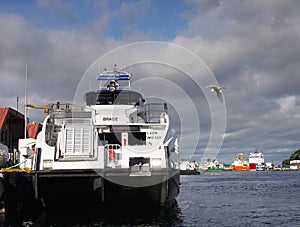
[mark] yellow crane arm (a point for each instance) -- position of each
(45, 108)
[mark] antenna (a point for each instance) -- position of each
(18, 103)
(25, 105)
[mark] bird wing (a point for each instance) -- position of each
(218, 90)
(220, 96)
(213, 86)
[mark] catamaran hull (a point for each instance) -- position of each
(90, 188)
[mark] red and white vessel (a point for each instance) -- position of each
(256, 161)
(240, 163)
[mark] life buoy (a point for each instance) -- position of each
(111, 154)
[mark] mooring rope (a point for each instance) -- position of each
(18, 164)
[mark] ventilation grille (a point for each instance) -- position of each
(78, 141)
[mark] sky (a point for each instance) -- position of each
(250, 47)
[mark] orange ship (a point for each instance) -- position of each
(240, 164)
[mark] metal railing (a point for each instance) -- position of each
(149, 113)
(113, 155)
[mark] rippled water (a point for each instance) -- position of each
(211, 199)
(240, 199)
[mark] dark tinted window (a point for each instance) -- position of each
(109, 98)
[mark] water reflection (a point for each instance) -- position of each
(135, 214)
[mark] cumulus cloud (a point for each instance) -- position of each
(56, 60)
(252, 48)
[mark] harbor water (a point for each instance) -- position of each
(237, 198)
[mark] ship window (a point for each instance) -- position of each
(105, 99)
(122, 99)
(109, 98)
(136, 138)
(90, 98)
(125, 98)
(110, 138)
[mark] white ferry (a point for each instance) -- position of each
(257, 161)
(114, 148)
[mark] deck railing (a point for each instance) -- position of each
(113, 155)
(150, 113)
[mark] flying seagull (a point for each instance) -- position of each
(218, 90)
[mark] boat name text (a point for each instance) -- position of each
(110, 118)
